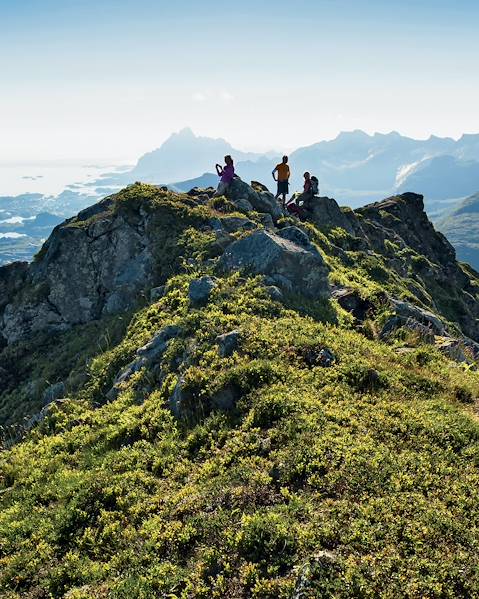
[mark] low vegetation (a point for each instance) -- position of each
(352, 478)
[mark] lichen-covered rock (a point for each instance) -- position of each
(280, 259)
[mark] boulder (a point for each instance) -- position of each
(397, 322)
(228, 343)
(147, 355)
(257, 186)
(267, 221)
(236, 223)
(297, 236)
(326, 214)
(406, 310)
(156, 346)
(242, 205)
(261, 201)
(286, 263)
(454, 349)
(216, 224)
(275, 293)
(200, 291)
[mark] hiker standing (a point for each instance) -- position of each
(226, 174)
(283, 179)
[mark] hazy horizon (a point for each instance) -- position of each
(110, 80)
(127, 160)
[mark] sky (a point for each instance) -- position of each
(107, 80)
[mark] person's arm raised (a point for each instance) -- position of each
(219, 169)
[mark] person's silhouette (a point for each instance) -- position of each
(227, 174)
(283, 178)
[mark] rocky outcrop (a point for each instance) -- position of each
(399, 229)
(228, 343)
(289, 265)
(326, 214)
(404, 217)
(101, 262)
(260, 200)
(92, 265)
(122, 250)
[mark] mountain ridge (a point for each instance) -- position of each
(355, 167)
(205, 397)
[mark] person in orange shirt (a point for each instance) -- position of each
(283, 178)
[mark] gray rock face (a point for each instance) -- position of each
(53, 392)
(261, 201)
(274, 293)
(145, 356)
(228, 343)
(235, 223)
(242, 205)
(200, 290)
(396, 322)
(285, 262)
(297, 236)
(325, 213)
(86, 271)
(406, 310)
(267, 221)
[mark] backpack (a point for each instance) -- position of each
(314, 185)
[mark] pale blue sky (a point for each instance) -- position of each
(85, 79)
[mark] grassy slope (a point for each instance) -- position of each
(377, 469)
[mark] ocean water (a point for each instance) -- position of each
(49, 178)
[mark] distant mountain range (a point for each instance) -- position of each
(461, 227)
(355, 168)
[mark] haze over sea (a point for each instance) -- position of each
(48, 178)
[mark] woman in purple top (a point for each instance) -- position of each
(227, 174)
